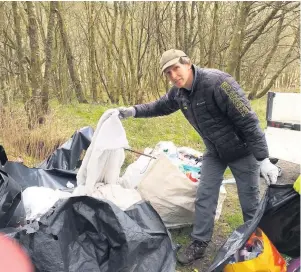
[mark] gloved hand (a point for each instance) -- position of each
(126, 112)
(269, 171)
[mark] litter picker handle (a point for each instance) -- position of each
(137, 152)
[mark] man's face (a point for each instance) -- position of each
(179, 75)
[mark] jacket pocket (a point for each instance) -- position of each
(200, 109)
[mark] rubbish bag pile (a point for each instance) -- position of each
(258, 253)
(71, 214)
(11, 206)
(175, 172)
(86, 234)
(77, 232)
(277, 223)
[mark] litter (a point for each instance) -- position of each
(86, 234)
(83, 233)
(171, 193)
(38, 200)
(100, 233)
(98, 175)
(12, 213)
(257, 255)
(278, 216)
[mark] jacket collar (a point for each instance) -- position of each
(196, 76)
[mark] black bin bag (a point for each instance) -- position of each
(86, 234)
(67, 156)
(50, 178)
(12, 212)
(281, 219)
(58, 169)
(278, 215)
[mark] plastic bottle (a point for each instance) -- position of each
(257, 245)
(242, 254)
(251, 255)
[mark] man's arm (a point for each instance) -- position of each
(232, 101)
(163, 106)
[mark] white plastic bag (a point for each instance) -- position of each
(105, 155)
(99, 173)
(135, 171)
(38, 200)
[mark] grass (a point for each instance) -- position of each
(141, 133)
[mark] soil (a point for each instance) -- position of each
(290, 172)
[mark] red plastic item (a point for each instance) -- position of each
(188, 174)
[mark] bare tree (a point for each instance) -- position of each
(268, 59)
(21, 58)
(213, 35)
(92, 51)
(71, 66)
(237, 37)
(35, 115)
(289, 58)
(48, 54)
(110, 52)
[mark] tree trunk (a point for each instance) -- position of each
(35, 69)
(129, 57)
(48, 54)
(191, 35)
(184, 26)
(71, 66)
(236, 41)
(92, 67)
(213, 34)
(200, 34)
(120, 58)
(21, 60)
(178, 27)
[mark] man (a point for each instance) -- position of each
(216, 106)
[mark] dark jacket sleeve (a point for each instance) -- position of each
(163, 106)
(232, 101)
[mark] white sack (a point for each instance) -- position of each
(99, 173)
(171, 193)
(105, 154)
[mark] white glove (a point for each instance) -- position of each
(269, 171)
(126, 112)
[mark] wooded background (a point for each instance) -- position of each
(108, 52)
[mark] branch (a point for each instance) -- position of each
(260, 30)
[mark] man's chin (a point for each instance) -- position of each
(179, 85)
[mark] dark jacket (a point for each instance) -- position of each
(219, 111)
